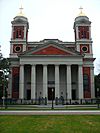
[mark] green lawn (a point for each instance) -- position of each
(50, 124)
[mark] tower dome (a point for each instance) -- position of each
(82, 26)
(21, 15)
(82, 17)
(20, 26)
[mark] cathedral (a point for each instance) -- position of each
(51, 68)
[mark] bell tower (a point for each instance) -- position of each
(19, 35)
(83, 41)
(82, 30)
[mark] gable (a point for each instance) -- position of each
(51, 50)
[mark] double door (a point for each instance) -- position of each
(51, 93)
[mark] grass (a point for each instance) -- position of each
(50, 124)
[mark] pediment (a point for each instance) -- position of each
(50, 50)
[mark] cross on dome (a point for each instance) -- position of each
(81, 12)
(21, 9)
(81, 8)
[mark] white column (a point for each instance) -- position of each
(57, 81)
(77, 35)
(24, 32)
(69, 86)
(80, 82)
(44, 81)
(21, 82)
(92, 83)
(33, 82)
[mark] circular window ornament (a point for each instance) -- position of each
(84, 49)
(17, 48)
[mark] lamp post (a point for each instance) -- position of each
(52, 99)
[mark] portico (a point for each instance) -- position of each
(41, 78)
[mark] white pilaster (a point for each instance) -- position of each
(77, 35)
(21, 82)
(80, 82)
(92, 83)
(24, 47)
(57, 81)
(24, 32)
(44, 81)
(69, 86)
(33, 82)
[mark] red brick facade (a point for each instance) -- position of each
(15, 82)
(87, 90)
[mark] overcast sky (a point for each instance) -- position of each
(50, 19)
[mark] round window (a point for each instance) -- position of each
(17, 49)
(84, 49)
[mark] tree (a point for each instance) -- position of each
(97, 84)
(4, 72)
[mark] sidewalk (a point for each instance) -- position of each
(60, 112)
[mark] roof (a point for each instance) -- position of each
(50, 48)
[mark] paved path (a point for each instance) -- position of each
(71, 112)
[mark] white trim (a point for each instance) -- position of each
(33, 81)
(56, 81)
(69, 87)
(80, 82)
(45, 81)
(21, 82)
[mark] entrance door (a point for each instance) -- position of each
(73, 94)
(28, 94)
(51, 95)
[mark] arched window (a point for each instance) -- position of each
(83, 34)
(86, 81)
(17, 34)
(20, 33)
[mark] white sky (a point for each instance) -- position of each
(50, 19)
